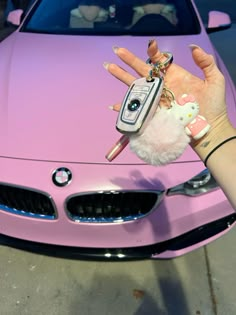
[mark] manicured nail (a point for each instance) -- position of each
(150, 42)
(115, 49)
(111, 107)
(193, 46)
(106, 65)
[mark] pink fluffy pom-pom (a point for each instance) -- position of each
(163, 140)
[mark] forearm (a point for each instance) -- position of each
(222, 162)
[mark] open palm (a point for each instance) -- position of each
(208, 92)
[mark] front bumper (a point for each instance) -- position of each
(168, 249)
(174, 217)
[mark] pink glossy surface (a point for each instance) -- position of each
(60, 117)
(217, 19)
(170, 254)
(59, 108)
(14, 17)
(175, 215)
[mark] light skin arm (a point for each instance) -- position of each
(210, 94)
(222, 162)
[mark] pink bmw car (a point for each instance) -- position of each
(58, 193)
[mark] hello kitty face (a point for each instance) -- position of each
(185, 109)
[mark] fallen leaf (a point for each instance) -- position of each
(138, 294)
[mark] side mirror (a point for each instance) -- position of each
(218, 21)
(15, 17)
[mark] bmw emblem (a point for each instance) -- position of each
(62, 176)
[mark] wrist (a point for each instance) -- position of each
(220, 130)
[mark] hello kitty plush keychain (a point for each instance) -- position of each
(170, 131)
(157, 134)
(186, 110)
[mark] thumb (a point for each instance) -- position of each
(205, 62)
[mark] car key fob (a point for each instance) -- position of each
(139, 105)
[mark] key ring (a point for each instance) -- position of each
(162, 65)
(168, 95)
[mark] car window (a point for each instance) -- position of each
(113, 17)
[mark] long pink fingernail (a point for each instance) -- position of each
(115, 49)
(150, 42)
(106, 65)
(193, 46)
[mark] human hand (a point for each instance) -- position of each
(209, 92)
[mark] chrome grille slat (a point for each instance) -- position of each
(26, 202)
(112, 206)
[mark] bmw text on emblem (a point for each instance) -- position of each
(62, 176)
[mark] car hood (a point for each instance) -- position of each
(55, 94)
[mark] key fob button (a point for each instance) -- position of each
(134, 105)
(130, 117)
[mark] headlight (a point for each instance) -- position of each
(200, 184)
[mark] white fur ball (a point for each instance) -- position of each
(163, 141)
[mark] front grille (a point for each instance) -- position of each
(112, 206)
(23, 201)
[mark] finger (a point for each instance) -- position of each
(206, 63)
(115, 107)
(153, 52)
(119, 73)
(137, 64)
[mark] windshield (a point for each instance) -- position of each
(113, 17)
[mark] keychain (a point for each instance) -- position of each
(142, 99)
(140, 104)
(143, 91)
(157, 134)
(170, 131)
